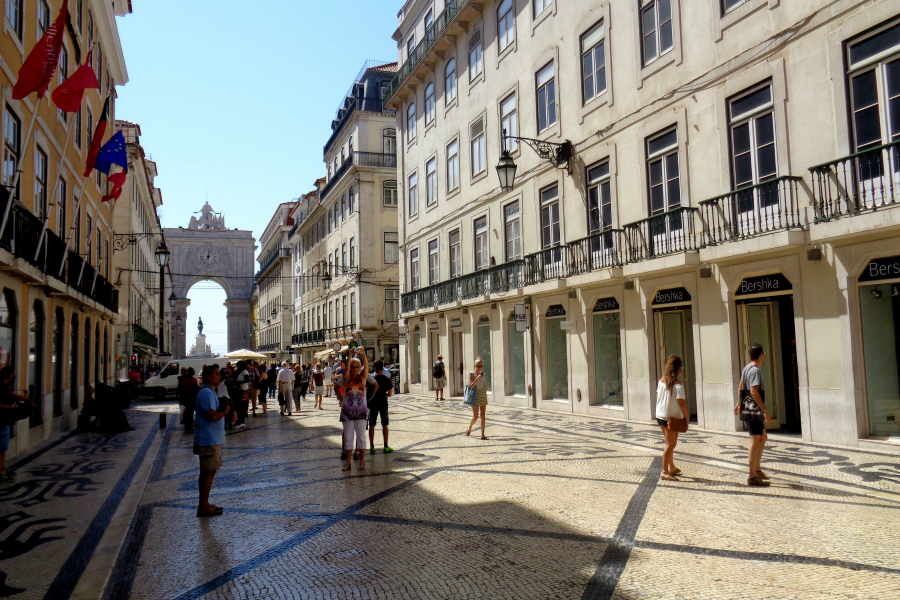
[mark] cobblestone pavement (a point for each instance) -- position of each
(552, 506)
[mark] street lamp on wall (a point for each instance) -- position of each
(559, 155)
(172, 300)
(162, 254)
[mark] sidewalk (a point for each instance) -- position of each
(71, 496)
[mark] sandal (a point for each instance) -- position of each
(676, 472)
(362, 467)
(483, 437)
(213, 512)
(757, 481)
(668, 477)
(345, 467)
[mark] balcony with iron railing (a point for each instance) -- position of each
(763, 208)
(864, 181)
(452, 10)
(671, 232)
(23, 231)
(359, 159)
(271, 257)
(142, 336)
(309, 338)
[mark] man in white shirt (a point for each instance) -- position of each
(285, 387)
(328, 374)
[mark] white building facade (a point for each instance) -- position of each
(732, 181)
(273, 283)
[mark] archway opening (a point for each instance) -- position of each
(207, 299)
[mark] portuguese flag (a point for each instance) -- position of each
(97, 140)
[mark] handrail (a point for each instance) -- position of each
(861, 153)
(863, 181)
(750, 211)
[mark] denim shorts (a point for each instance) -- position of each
(662, 423)
(4, 438)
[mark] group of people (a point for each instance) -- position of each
(672, 413)
(222, 398)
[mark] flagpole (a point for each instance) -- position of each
(52, 203)
(88, 241)
(112, 207)
(18, 171)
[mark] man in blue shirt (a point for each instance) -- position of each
(209, 436)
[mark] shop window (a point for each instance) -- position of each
(36, 361)
(557, 361)
(880, 310)
(484, 350)
(415, 374)
(515, 345)
(607, 359)
(56, 361)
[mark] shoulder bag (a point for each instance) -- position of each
(470, 396)
(750, 410)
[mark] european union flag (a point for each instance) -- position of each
(112, 153)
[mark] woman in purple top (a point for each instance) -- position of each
(354, 409)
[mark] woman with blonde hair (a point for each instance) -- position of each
(671, 405)
(354, 408)
(476, 382)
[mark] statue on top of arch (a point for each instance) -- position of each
(209, 219)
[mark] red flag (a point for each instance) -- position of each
(39, 67)
(118, 180)
(97, 140)
(67, 95)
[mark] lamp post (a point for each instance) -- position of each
(559, 155)
(162, 259)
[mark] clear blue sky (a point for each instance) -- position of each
(235, 100)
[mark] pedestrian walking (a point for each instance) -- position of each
(242, 378)
(304, 382)
(263, 386)
(671, 412)
(209, 436)
(254, 385)
(378, 405)
(187, 397)
(751, 406)
(319, 384)
(298, 386)
(329, 375)
(354, 409)
(225, 390)
(285, 385)
(438, 373)
(272, 379)
(476, 381)
(9, 408)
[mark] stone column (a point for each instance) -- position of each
(238, 315)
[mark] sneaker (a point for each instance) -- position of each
(241, 426)
(372, 448)
(387, 450)
(756, 481)
(5, 477)
(762, 475)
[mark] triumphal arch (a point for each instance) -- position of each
(208, 251)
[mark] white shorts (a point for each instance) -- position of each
(320, 389)
(358, 428)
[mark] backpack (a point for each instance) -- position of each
(438, 370)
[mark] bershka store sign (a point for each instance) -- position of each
(882, 268)
(604, 304)
(765, 284)
(556, 310)
(674, 296)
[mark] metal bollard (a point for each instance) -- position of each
(162, 420)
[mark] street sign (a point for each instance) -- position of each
(401, 335)
(521, 317)
(336, 346)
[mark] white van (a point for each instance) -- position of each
(166, 382)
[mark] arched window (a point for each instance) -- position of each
(36, 361)
(450, 81)
(73, 363)
(86, 378)
(8, 319)
(476, 60)
(56, 359)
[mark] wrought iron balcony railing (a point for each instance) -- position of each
(142, 336)
(273, 256)
(666, 233)
(601, 250)
(309, 338)
(867, 180)
(763, 208)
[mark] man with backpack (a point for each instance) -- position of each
(438, 374)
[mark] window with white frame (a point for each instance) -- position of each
(43, 16)
(546, 97)
(410, 46)
(14, 14)
(343, 208)
(389, 189)
(389, 141)
(452, 165)
(431, 182)
(540, 6)
(512, 231)
(506, 24)
(509, 122)
(656, 29)
(481, 244)
(61, 198)
(344, 255)
(727, 5)
(429, 20)
(352, 308)
(599, 198)
(550, 230)
(663, 172)
(455, 254)
(413, 194)
(411, 122)
(63, 74)
(40, 183)
(479, 159)
(352, 252)
(391, 305)
(433, 263)
(12, 132)
(450, 81)
(752, 125)
(391, 252)
(476, 60)
(593, 63)
(429, 103)
(874, 82)
(351, 201)
(414, 269)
